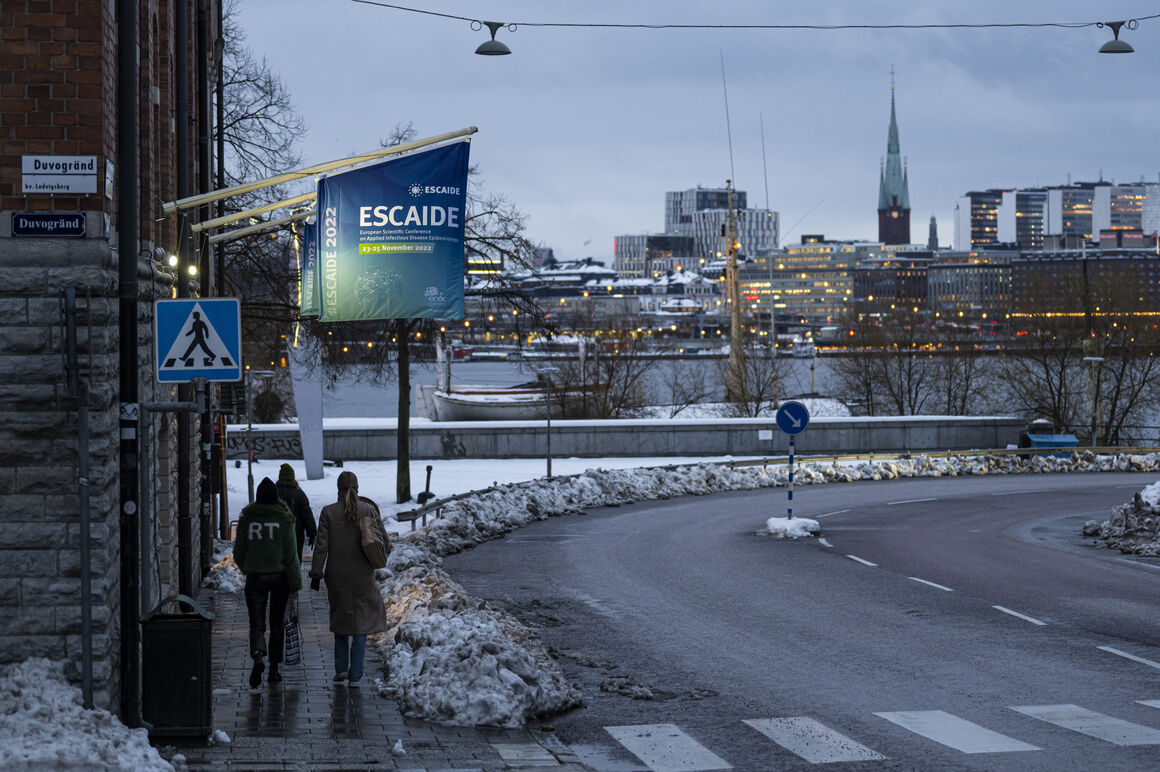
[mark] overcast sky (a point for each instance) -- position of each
(585, 129)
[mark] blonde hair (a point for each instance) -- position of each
(348, 495)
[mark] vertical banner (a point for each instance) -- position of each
(390, 238)
(308, 270)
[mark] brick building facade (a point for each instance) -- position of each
(70, 251)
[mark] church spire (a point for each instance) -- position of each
(893, 186)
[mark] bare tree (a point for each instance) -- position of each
(760, 382)
(859, 372)
(685, 384)
(960, 370)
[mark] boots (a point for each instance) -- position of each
(256, 671)
(275, 676)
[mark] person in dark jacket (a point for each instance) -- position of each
(264, 550)
(299, 504)
(356, 605)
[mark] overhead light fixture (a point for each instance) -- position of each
(1115, 45)
(493, 47)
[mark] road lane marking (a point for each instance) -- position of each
(1020, 493)
(835, 512)
(1024, 617)
(1097, 725)
(863, 562)
(1138, 563)
(955, 732)
(931, 584)
(1126, 655)
(824, 543)
(814, 742)
(665, 748)
(910, 501)
(1150, 703)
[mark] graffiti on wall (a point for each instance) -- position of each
(265, 446)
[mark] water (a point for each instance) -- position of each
(355, 399)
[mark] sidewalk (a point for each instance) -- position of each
(309, 723)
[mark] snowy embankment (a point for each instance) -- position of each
(1132, 528)
(45, 726)
(454, 659)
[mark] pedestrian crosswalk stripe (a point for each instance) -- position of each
(814, 742)
(1084, 721)
(665, 748)
(955, 732)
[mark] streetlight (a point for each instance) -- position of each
(250, 427)
(1093, 361)
(546, 373)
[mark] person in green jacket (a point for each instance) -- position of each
(266, 551)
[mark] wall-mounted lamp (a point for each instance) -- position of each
(493, 47)
(1115, 45)
(172, 261)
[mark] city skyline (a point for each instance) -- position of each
(585, 129)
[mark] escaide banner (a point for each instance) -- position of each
(308, 270)
(390, 238)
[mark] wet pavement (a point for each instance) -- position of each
(307, 722)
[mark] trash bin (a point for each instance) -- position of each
(177, 670)
(1029, 440)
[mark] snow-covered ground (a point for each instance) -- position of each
(452, 658)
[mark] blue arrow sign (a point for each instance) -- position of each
(198, 338)
(792, 417)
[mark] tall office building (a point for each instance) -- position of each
(703, 214)
(1019, 219)
(976, 219)
(893, 189)
(647, 256)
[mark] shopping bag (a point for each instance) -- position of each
(292, 654)
(376, 546)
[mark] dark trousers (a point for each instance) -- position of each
(263, 590)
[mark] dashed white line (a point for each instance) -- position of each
(863, 562)
(837, 512)
(824, 543)
(1024, 617)
(931, 584)
(1019, 493)
(911, 501)
(1132, 657)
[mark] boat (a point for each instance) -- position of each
(492, 403)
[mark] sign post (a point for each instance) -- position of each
(792, 418)
(198, 338)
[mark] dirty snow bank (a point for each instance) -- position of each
(45, 726)
(1132, 528)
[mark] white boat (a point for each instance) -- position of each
(492, 403)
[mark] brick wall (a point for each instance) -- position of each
(58, 80)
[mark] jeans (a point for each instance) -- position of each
(349, 652)
(260, 589)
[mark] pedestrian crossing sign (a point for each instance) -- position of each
(198, 338)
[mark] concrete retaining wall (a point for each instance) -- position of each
(627, 438)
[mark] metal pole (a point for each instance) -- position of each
(789, 504)
(128, 226)
(548, 387)
(250, 437)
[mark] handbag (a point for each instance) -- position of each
(375, 545)
(292, 652)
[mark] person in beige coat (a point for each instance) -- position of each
(356, 607)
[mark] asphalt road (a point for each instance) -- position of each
(936, 624)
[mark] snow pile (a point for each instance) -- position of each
(1132, 528)
(224, 576)
(796, 528)
(44, 725)
(454, 659)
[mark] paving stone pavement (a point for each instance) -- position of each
(309, 723)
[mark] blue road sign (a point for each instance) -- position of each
(792, 417)
(198, 338)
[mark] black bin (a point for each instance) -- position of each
(177, 670)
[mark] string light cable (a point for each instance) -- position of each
(477, 24)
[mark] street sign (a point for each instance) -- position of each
(57, 224)
(198, 338)
(792, 417)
